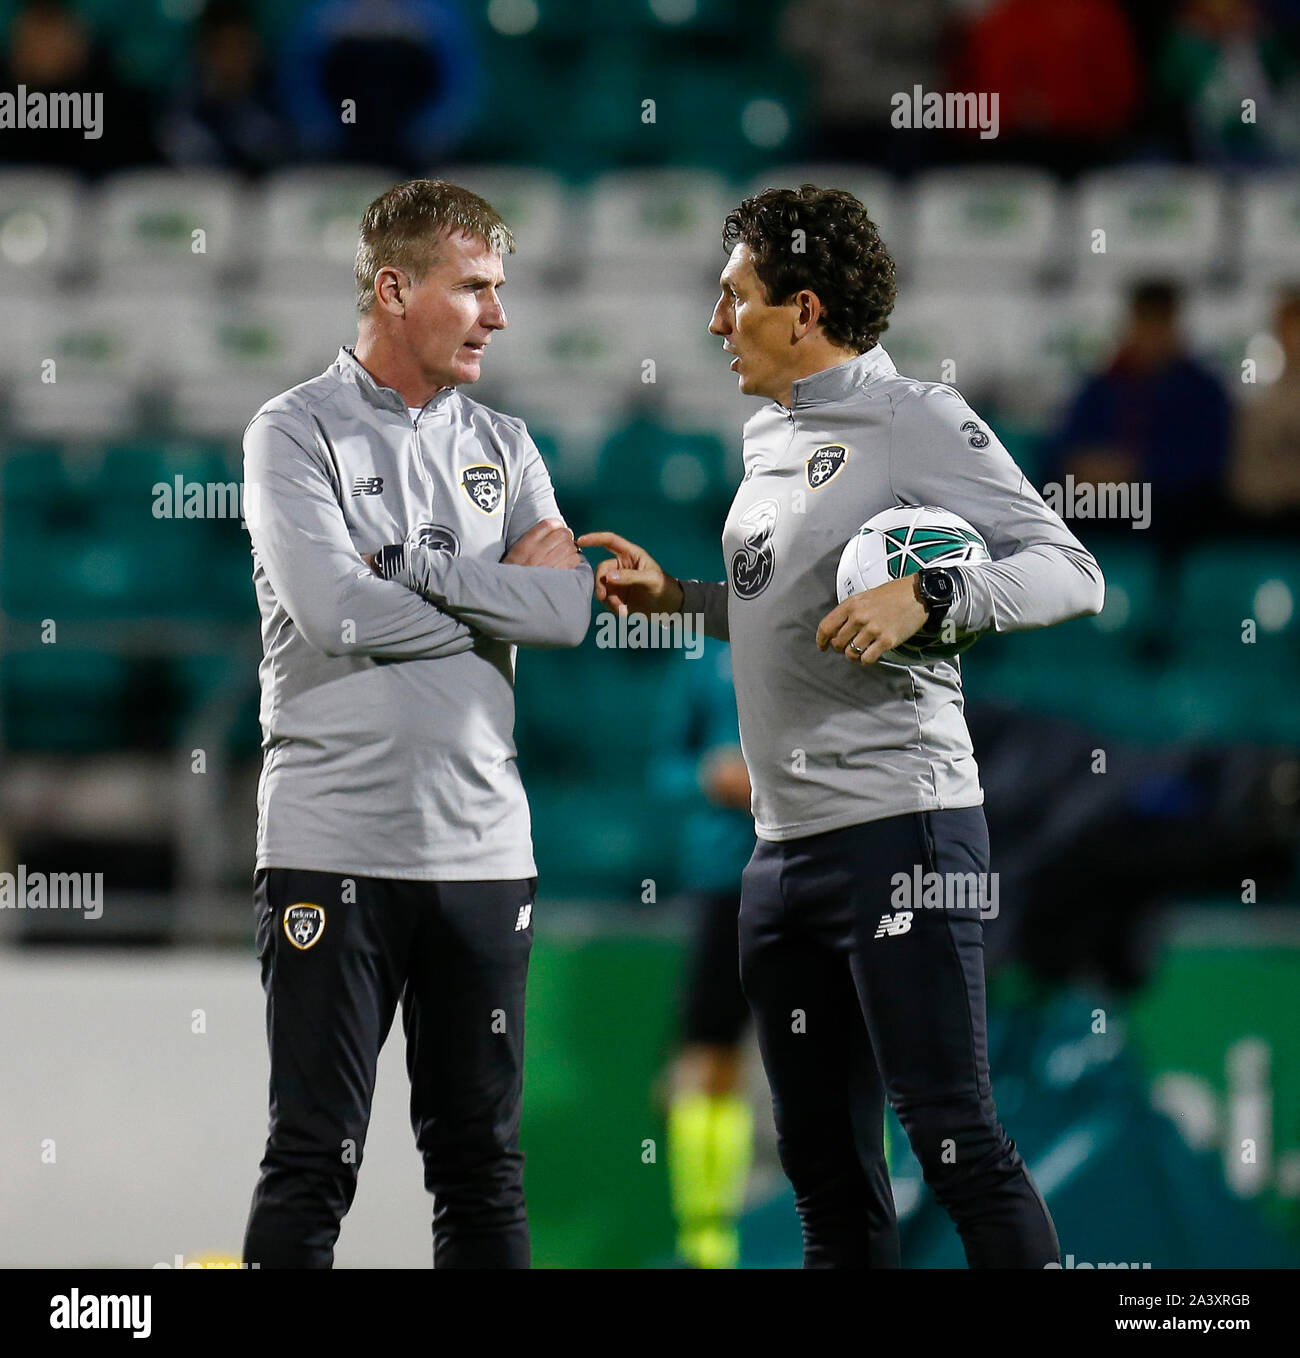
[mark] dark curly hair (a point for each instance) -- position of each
(842, 258)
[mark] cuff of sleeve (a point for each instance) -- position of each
(692, 595)
(390, 561)
(962, 608)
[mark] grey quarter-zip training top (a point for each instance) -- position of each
(830, 743)
(387, 704)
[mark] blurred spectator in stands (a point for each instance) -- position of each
(1082, 875)
(1266, 459)
(1219, 55)
(1154, 416)
(385, 82)
(857, 54)
(50, 51)
(1066, 75)
(225, 113)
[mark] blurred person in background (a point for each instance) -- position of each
(1265, 476)
(388, 82)
(857, 54)
(1083, 879)
(1067, 78)
(1155, 416)
(224, 111)
(51, 51)
(710, 1122)
(1218, 54)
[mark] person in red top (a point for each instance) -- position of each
(1066, 75)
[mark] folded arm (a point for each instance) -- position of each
(538, 595)
(302, 541)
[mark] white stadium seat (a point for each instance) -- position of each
(982, 228)
(159, 229)
(1271, 235)
(948, 336)
(1158, 221)
(312, 219)
(535, 205)
(237, 354)
(1227, 328)
(104, 352)
(573, 360)
(647, 229)
(1026, 349)
(40, 215)
(1056, 341)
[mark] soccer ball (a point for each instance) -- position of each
(898, 542)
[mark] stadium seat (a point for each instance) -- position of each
(1119, 634)
(1051, 342)
(599, 838)
(1271, 230)
(574, 362)
(312, 216)
(651, 228)
(40, 216)
(978, 229)
(535, 206)
(1229, 702)
(1227, 585)
(1227, 327)
(955, 337)
(649, 463)
(105, 352)
(148, 224)
(1157, 221)
(236, 353)
(57, 699)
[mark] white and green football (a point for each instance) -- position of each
(901, 541)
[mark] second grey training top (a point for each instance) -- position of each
(830, 743)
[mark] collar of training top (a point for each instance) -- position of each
(834, 384)
(350, 366)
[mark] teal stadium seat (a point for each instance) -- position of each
(82, 541)
(1090, 669)
(1223, 682)
(60, 700)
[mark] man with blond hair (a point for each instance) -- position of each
(405, 541)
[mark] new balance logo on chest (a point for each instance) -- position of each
(367, 485)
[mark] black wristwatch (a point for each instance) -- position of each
(936, 587)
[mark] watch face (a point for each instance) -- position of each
(936, 587)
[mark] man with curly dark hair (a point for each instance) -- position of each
(862, 772)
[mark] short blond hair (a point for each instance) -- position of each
(403, 227)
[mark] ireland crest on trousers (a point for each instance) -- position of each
(303, 925)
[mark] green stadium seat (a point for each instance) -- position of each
(1128, 618)
(599, 837)
(645, 460)
(62, 700)
(1226, 584)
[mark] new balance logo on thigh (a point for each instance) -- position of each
(525, 915)
(894, 924)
